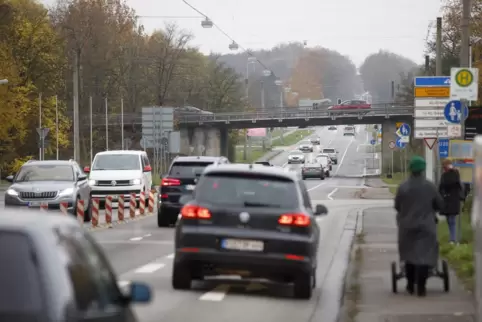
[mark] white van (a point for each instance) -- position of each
(121, 172)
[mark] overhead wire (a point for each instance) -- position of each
(250, 54)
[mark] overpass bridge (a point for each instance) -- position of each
(208, 133)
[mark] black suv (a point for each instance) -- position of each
(180, 180)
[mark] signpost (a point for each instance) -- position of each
(443, 148)
(42, 132)
(392, 146)
(432, 94)
(464, 84)
(403, 133)
(455, 112)
(373, 142)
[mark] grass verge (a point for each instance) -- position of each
(255, 154)
(460, 257)
(292, 138)
(396, 179)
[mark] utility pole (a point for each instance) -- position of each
(57, 125)
(42, 139)
(76, 106)
(438, 72)
(91, 130)
(465, 44)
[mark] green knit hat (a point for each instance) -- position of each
(417, 164)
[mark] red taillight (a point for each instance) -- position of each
(164, 196)
(195, 212)
(170, 182)
(300, 220)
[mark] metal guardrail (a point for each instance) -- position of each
(269, 114)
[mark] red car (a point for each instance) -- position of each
(351, 105)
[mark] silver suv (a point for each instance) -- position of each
(51, 182)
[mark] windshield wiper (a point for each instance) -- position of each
(257, 204)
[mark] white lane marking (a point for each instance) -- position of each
(147, 235)
(330, 195)
(170, 256)
(343, 157)
(217, 294)
(149, 268)
(136, 238)
(317, 186)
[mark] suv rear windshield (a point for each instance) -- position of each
(188, 169)
(246, 190)
(117, 162)
(20, 291)
(328, 150)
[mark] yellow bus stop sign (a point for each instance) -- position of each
(464, 78)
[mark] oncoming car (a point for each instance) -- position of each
(248, 218)
(296, 157)
(349, 131)
(305, 146)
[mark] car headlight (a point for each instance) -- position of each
(92, 182)
(66, 192)
(12, 192)
(135, 181)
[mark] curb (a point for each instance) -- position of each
(349, 279)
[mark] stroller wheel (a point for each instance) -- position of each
(394, 277)
(445, 276)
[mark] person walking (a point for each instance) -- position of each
(452, 191)
(417, 200)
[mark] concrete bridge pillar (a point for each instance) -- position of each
(198, 141)
(212, 142)
(185, 141)
(224, 142)
(201, 141)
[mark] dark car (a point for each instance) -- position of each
(52, 270)
(266, 163)
(313, 170)
(181, 179)
(248, 218)
(52, 182)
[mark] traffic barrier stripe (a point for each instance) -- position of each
(120, 209)
(108, 210)
(150, 207)
(95, 212)
(64, 208)
(142, 203)
(132, 206)
(80, 211)
(44, 206)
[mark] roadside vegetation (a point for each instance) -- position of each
(394, 181)
(292, 138)
(252, 155)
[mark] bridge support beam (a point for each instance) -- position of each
(388, 134)
(224, 143)
(201, 141)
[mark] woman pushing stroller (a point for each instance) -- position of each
(417, 201)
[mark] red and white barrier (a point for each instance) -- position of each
(108, 210)
(132, 206)
(142, 203)
(95, 212)
(120, 209)
(64, 207)
(150, 207)
(80, 211)
(44, 206)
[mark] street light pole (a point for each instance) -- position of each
(465, 43)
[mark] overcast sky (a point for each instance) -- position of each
(355, 28)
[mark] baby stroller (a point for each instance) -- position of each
(441, 271)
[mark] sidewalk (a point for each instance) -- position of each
(369, 297)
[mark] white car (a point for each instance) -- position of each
(306, 146)
(332, 153)
(122, 172)
(325, 161)
(349, 130)
(296, 157)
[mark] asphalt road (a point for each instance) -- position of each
(141, 251)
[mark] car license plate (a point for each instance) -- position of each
(240, 244)
(190, 187)
(34, 204)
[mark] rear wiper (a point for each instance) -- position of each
(257, 204)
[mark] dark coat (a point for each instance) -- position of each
(451, 190)
(417, 201)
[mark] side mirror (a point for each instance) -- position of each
(81, 178)
(321, 210)
(185, 199)
(139, 293)
(87, 169)
(9, 178)
(147, 168)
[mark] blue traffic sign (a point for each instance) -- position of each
(438, 81)
(453, 112)
(400, 144)
(373, 141)
(405, 129)
(443, 148)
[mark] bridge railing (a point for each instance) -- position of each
(287, 114)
